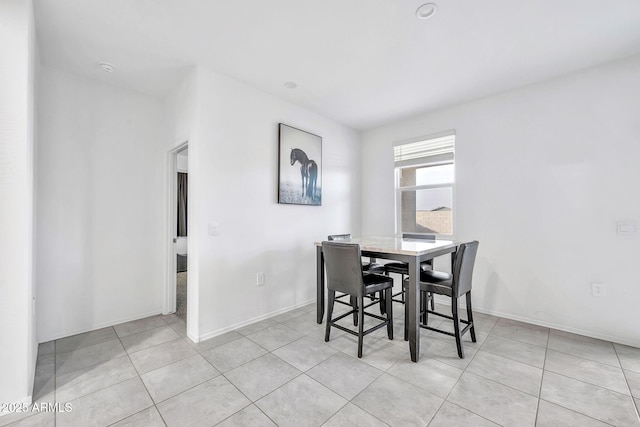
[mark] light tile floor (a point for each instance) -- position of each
(281, 372)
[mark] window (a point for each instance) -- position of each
(425, 178)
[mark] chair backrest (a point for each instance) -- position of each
(344, 268)
(463, 267)
(334, 237)
(418, 236)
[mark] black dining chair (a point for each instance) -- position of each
(368, 267)
(455, 285)
(402, 268)
(344, 274)
(371, 266)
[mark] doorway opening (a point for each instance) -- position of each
(177, 231)
(182, 191)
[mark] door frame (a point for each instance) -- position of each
(171, 233)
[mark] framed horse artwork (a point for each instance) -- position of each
(299, 167)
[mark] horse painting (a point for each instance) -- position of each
(308, 171)
(299, 149)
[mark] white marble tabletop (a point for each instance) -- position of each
(398, 245)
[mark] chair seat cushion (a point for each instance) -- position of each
(376, 282)
(403, 268)
(373, 267)
(436, 282)
(397, 267)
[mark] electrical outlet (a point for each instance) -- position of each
(214, 229)
(598, 289)
(260, 279)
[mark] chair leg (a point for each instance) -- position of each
(389, 293)
(383, 308)
(406, 322)
(425, 316)
(360, 325)
(433, 302)
(331, 300)
(354, 305)
(472, 330)
(402, 296)
(456, 326)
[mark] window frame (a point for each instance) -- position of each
(417, 164)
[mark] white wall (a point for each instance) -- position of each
(233, 173)
(101, 205)
(542, 175)
(17, 319)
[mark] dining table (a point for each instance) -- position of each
(410, 251)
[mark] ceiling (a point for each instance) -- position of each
(362, 63)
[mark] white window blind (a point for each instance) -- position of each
(438, 149)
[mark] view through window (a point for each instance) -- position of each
(425, 181)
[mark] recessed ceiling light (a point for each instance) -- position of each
(426, 11)
(290, 85)
(109, 68)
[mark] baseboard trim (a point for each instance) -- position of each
(98, 326)
(238, 325)
(538, 322)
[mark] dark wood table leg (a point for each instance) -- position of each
(319, 284)
(413, 305)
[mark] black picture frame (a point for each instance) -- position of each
(299, 167)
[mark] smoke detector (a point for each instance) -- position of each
(109, 68)
(426, 11)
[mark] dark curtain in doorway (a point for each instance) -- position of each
(182, 204)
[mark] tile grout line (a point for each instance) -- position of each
(275, 355)
(84, 395)
(165, 365)
(446, 399)
(140, 376)
(633, 402)
(584, 382)
(155, 404)
(250, 400)
(544, 363)
(514, 341)
(143, 384)
(348, 401)
(591, 360)
(544, 370)
(222, 374)
(359, 407)
(87, 346)
(79, 397)
(588, 383)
